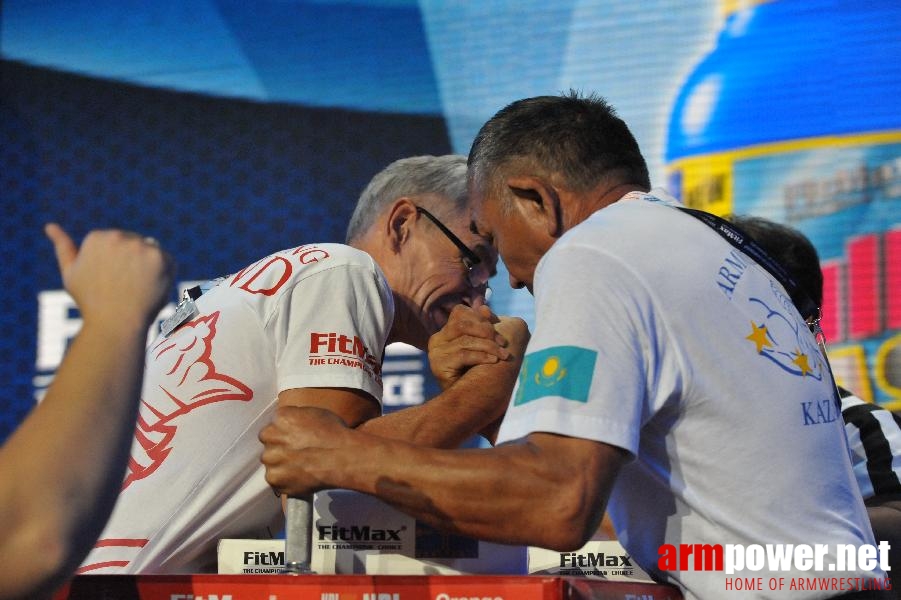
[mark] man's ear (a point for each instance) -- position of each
(540, 200)
(401, 217)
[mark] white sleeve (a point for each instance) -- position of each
(330, 329)
(589, 363)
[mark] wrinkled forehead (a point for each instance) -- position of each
(481, 241)
(459, 221)
(489, 255)
(482, 203)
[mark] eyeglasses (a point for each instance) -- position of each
(477, 274)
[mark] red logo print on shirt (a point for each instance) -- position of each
(273, 271)
(188, 381)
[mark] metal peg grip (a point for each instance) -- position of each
(298, 535)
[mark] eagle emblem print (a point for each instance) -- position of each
(189, 381)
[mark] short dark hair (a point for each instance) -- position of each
(577, 137)
(790, 248)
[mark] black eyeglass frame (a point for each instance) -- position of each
(470, 258)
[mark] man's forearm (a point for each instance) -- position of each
(513, 494)
(475, 401)
(62, 482)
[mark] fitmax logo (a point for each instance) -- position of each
(595, 559)
(338, 342)
(264, 558)
(338, 348)
(357, 534)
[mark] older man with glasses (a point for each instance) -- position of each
(308, 326)
(477, 273)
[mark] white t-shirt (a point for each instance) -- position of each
(655, 335)
(312, 316)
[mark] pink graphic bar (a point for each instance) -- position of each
(833, 301)
(892, 266)
(864, 299)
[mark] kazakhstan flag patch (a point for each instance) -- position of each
(563, 371)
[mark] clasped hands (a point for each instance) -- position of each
(302, 445)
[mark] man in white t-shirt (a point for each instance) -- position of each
(669, 373)
(306, 326)
(873, 432)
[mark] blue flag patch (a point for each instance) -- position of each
(564, 371)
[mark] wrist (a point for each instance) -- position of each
(123, 327)
(355, 464)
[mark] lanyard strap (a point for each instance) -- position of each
(805, 305)
(739, 239)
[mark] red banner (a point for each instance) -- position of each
(357, 587)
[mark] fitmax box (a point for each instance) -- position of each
(597, 559)
(251, 557)
(357, 534)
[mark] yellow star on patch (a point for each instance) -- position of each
(801, 361)
(759, 337)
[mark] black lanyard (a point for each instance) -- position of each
(803, 302)
(735, 236)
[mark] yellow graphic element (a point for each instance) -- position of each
(707, 183)
(727, 7)
(551, 373)
(707, 178)
(759, 336)
(801, 361)
(887, 366)
(849, 366)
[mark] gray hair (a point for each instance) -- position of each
(444, 176)
(580, 138)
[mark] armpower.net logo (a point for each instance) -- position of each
(758, 567)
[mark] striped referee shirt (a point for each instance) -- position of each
(874, 438)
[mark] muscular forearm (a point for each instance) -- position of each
(515, 494)
(475, 401)
(59, 483)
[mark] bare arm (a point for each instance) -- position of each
(479, 378)
(352, 406)
(548, 491)
(63, 467)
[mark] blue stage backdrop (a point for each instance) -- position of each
(230, 129)
(220, 182)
